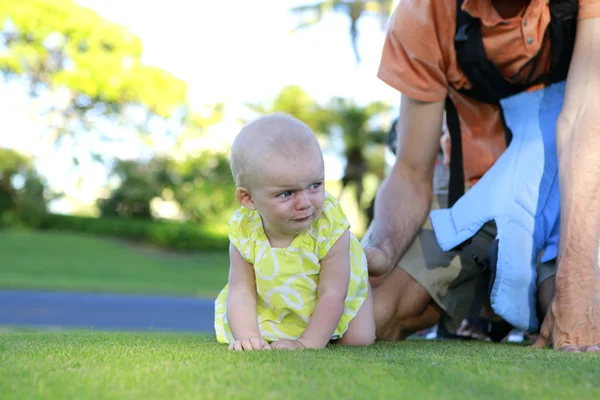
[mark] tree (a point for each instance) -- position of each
(361, 133)
(293, 100)
(11, 164)
(23, 193)
(205, 191)
(138, 183)
(354, 9)
(201, 185)
(90, 67)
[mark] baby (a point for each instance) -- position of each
(298, 277)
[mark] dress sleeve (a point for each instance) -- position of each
(241, 228)
(330, 226)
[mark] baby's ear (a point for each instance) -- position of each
(244, 197)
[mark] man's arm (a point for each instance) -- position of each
(573, 321)
(404, 199)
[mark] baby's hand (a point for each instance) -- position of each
(250, 344)
(287, 344)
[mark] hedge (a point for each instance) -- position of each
(167, 234)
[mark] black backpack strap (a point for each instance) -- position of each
(563, 23)
(488, 84)
(456, 184)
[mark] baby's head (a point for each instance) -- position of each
(278, 168)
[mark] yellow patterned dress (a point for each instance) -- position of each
(287, 278)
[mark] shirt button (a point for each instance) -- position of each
(530, 40)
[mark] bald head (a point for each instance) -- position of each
(274, 136)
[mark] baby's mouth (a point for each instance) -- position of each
(302, 219)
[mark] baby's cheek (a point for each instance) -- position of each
(318, 213)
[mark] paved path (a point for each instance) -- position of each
(56, 310)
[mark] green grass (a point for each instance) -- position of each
(82, 365)
(64, 261)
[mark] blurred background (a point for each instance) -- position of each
(116, 119)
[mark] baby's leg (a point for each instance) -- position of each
(361, 330)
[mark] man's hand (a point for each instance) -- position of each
(573, 320)
(287, 344)
(250, 344)
(404, 198)
(379, 264)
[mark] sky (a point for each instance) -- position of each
(236, 52)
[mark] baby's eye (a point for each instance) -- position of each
(314, 186)
(285, 194)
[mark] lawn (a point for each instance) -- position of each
(58, 365)
(63, 261)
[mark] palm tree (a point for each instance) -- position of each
(354, 9)
(293, 100)
(362, 134)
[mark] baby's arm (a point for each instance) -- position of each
(333, 288)
(241, 304)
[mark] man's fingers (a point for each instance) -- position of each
(374, 256)
(543, 339)
(376, 261)
(541, 342)
(569, 349)
(369, 254)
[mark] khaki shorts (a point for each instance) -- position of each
(453, 278)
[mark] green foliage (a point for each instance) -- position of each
(25, 202)
(139, 183)
(357, 122)
(363, 141)
(59, 44)
(32, 199)
(205, 189)
(166, 234)
(201, 185)
(11, 163)
(293, 100)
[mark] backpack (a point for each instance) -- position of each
(488, 84)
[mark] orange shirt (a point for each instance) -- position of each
(419, 60)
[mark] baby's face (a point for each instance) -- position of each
(289, 193)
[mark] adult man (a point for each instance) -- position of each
(415, 282)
